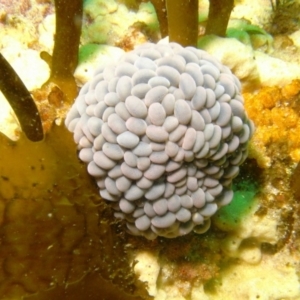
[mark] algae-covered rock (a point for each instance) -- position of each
(244, 281)
(275, 70)
(91, 56)
(108, 22)
(242, 63)
(55, 230)
(247, 231)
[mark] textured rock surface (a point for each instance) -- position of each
(166, 127)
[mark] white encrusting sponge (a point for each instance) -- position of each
(163, 132)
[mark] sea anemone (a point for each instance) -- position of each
(163, 132)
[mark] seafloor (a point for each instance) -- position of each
(59, 240)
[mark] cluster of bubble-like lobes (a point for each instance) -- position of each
(163, 131)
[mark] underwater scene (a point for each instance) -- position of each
(150, 149)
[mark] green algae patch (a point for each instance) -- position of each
(249, 34)
(229, 217)
(88, 52)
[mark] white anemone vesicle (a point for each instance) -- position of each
(163, 132)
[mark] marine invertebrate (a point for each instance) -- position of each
(274, 111)
(163, 132)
